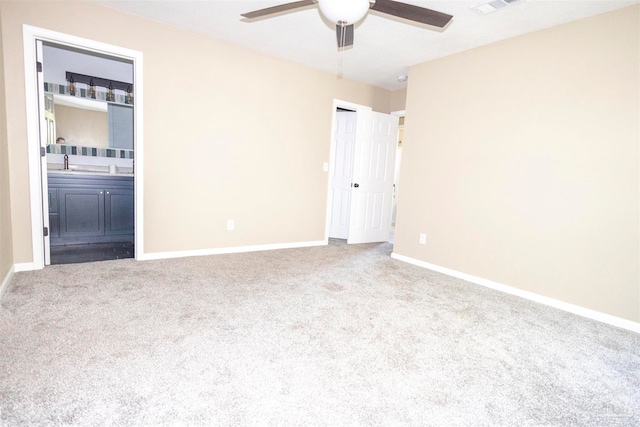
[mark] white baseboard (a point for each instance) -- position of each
(231, 250)
(25, 266)
(6, 280)
(561, 305)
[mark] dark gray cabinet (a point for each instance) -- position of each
(118, 205)
(81, 212)
(90, 209)
(54, 217)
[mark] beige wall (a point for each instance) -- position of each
(244, 139)
(6, 255)
(521, 163)
(86, 128)
(398, 100)
(350, 90)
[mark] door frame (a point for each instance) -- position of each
(337, 103)
(396, 171)
(30, 35)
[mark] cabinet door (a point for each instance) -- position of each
(53, 199)
(118, 211)
(81, 212)
(54, 225)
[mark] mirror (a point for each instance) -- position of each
(90, 123)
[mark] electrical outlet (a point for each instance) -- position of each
(230, 225)
(423, 239)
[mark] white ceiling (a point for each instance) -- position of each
(383, 48)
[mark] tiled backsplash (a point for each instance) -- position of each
(101, 94)
(117, 153)
(90, 151)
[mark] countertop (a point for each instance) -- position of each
(89, 170)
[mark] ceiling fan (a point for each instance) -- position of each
(345, 13)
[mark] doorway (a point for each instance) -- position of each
(89, 155)
(37, 146)
(363, 148)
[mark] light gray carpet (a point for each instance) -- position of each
(336, 335)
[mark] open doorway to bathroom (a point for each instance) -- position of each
(89, 183)
(33, 38)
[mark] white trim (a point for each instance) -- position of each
(33, 145)
(25, 266)
(232, 250)
(138, 166)
(561, 305)
(5, 281)
(337, 103)
(399, 114)
(30, 35)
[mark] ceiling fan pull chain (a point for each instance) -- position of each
(341, 42)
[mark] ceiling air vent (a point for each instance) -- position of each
(493, 6)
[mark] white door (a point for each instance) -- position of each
(372, 177)
(345, 135)
(43, 139)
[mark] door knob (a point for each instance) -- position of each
(356, 185)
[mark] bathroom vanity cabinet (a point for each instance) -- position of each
(88, 208)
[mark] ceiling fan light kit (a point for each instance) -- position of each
(493, 6)
(345, 13)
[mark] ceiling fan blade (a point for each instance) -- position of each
(412, 13)
(278, 9)
(345, 36)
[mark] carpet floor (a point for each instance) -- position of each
(338, 335)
